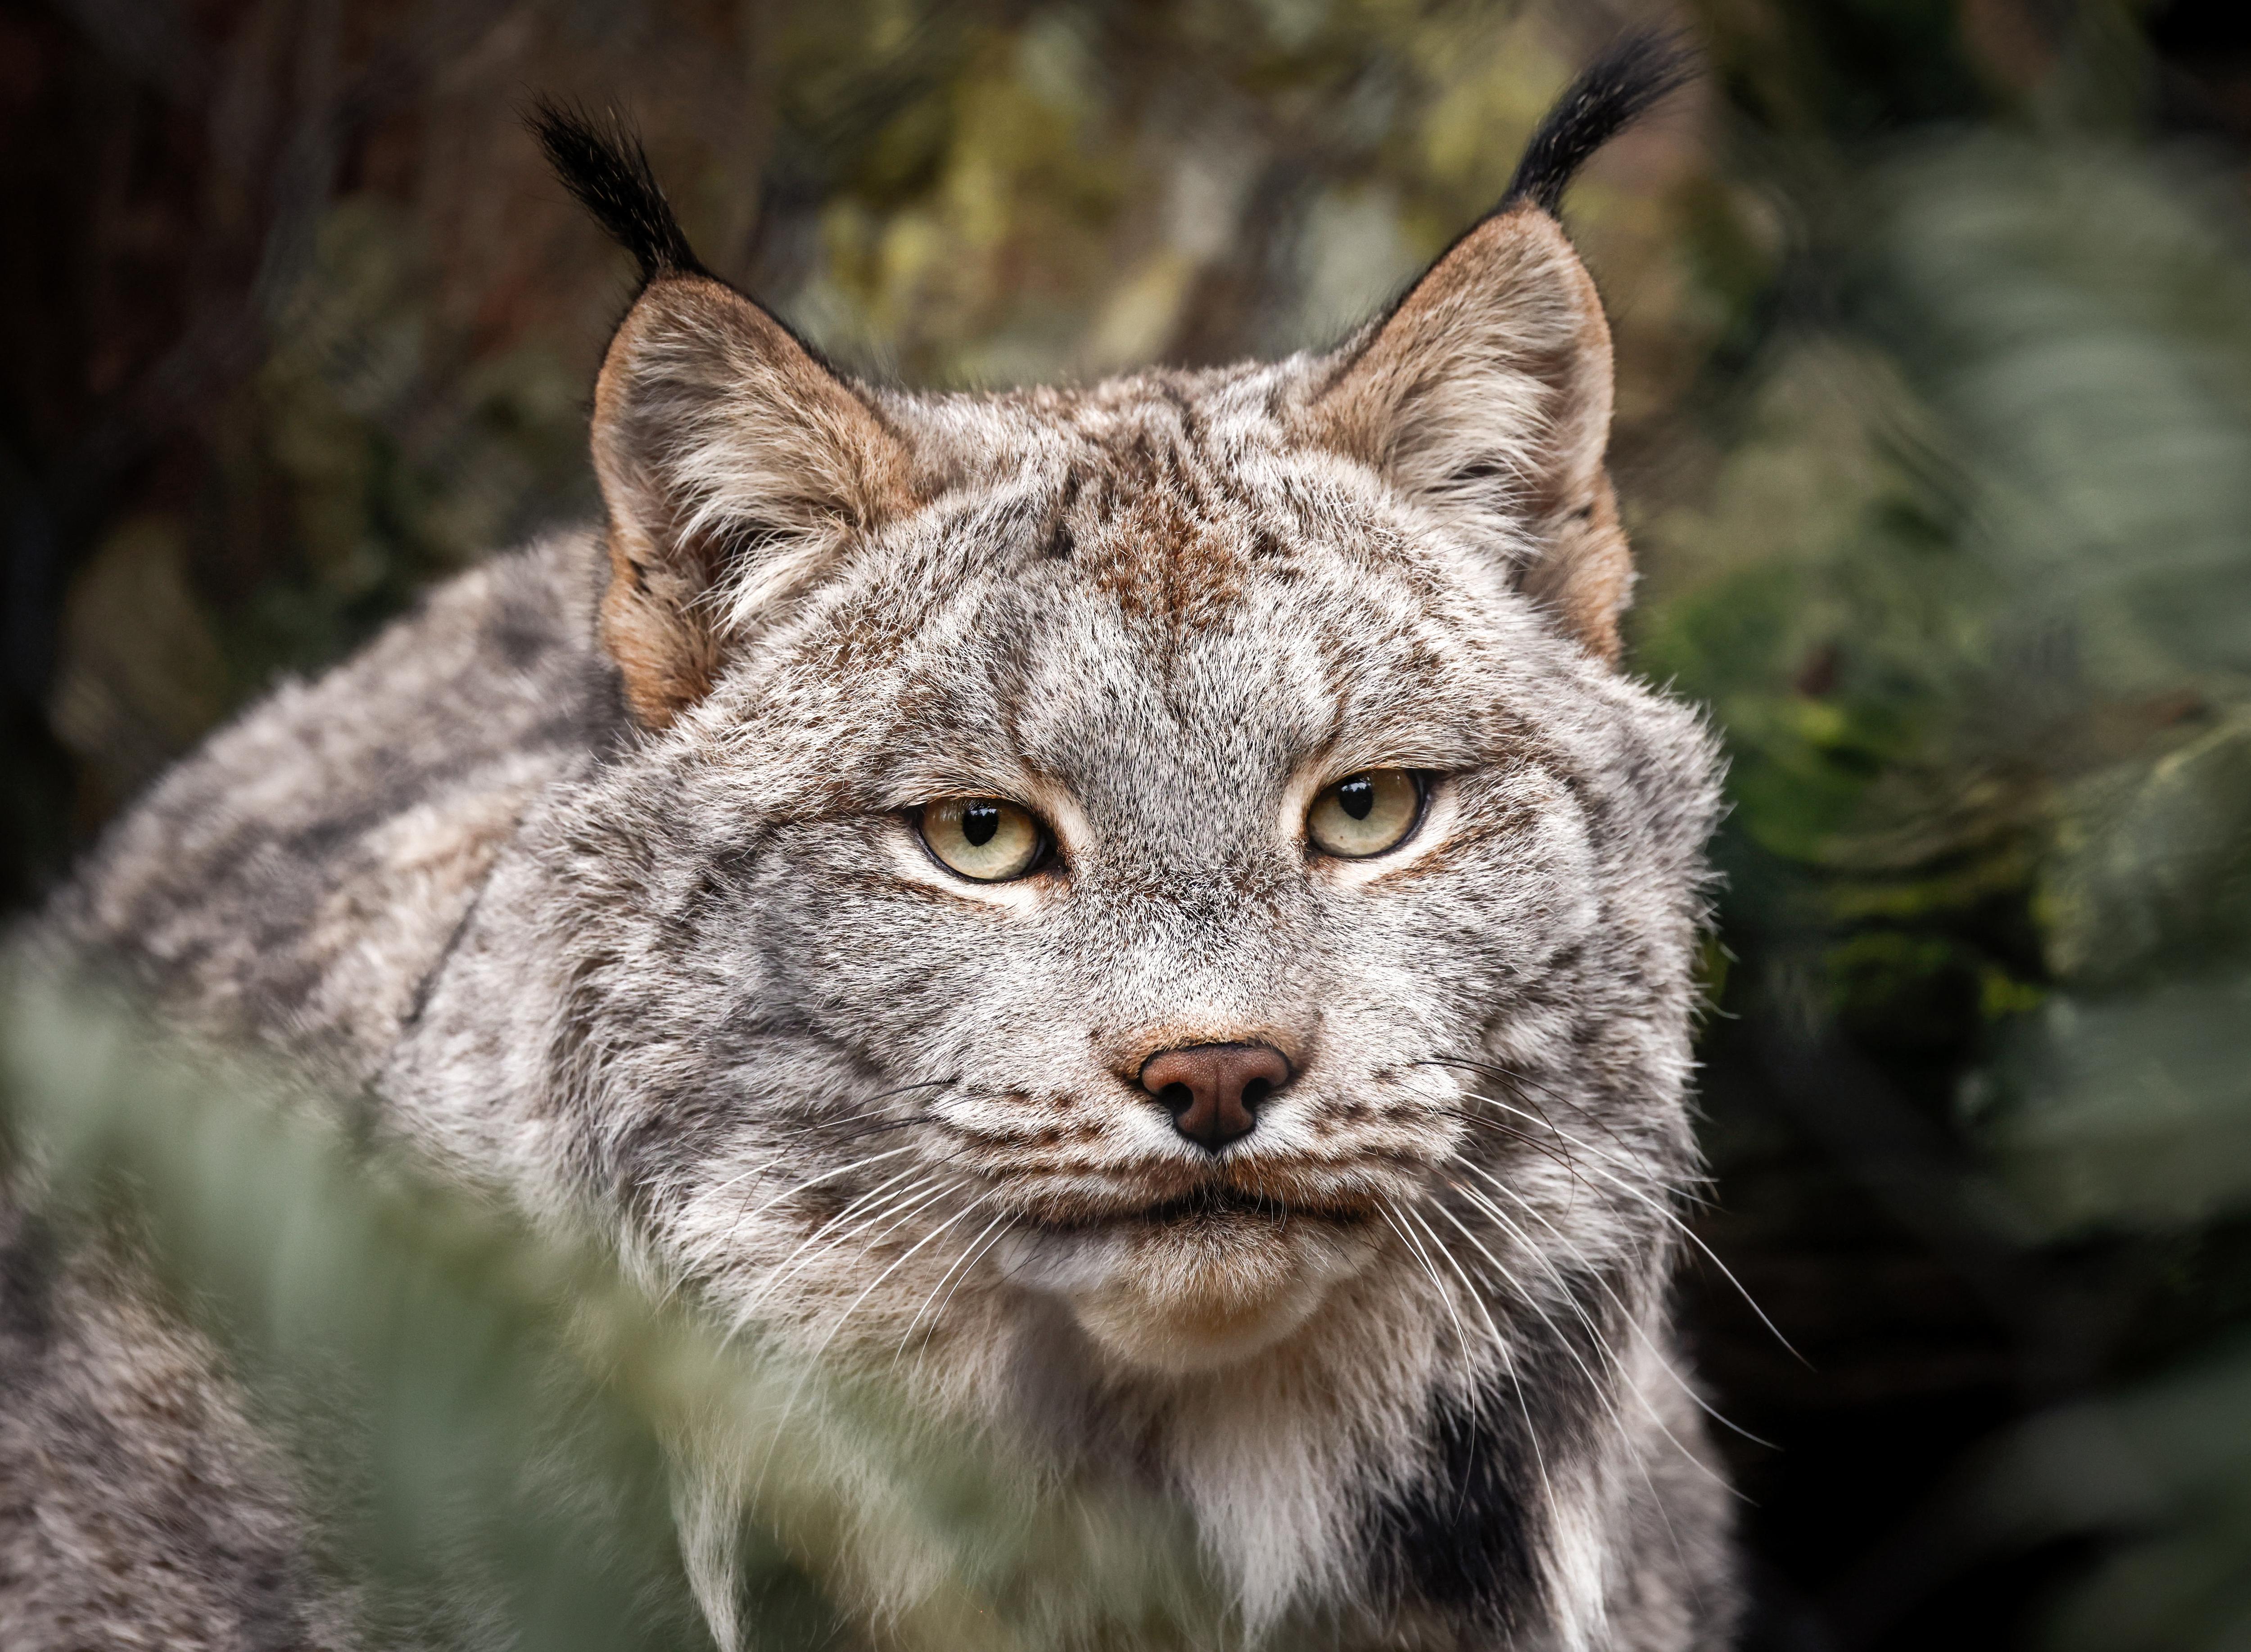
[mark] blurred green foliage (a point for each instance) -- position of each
(1972, 599)
(1935, 428)
(504, 1410)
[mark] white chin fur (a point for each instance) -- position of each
(1194, 1294)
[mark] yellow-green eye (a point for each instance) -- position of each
(983, 838)
(1365, 813)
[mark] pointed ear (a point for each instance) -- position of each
(1486, 396)
(734, 466)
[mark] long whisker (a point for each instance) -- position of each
(697, 1256)
(1564, 1285)
(1507, 1352)
(1690, 1234)
(905, 1256)
(1671, 1535)
(703, 1252)
(1624, 1158)
(837, 1329)
(1547, 1146)
(968, 1255)
(892, 1213)
(900, 1211)
(1479, 1121)
(811, 1182)
(1521, 1085)
(1608, 1354)
(1500, 1345)
(1527, 1297)
(1596, 1275)
(828, 1175)
(1603, 1283)
(1396, 1217)
(1595, 1384)
(1444, 1296)
(1601, 1392)
(860, 1213)
(1517, 1083)
(987, 1245)
(869, 1111)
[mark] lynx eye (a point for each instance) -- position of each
(983, 838)
(1365, 813)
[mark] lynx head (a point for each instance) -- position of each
(1162, 855)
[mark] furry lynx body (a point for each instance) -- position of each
(606, 875)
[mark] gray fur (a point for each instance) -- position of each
(138, 1506)
(691, 972)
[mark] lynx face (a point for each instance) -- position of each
(1154, 641)
(1136, 847)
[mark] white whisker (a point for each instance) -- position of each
(1595, 1383)
(1429, 1268)
(701, 1252)
(1687, 1233)
(837, 1329)
(830, 1235)
(968, 1255)
(1441, 1098)
(1608, 1354)
(1506, 1349)
(1632, 1321)
(825, 1229)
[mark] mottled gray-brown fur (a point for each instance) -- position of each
(599, 875)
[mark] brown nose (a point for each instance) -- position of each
(1214, 1091)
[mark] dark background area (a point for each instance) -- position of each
(1934, 427)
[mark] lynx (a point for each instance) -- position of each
(1167, 879)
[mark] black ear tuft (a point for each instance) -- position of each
(1618, 87)
(601, 162)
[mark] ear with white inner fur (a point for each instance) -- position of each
(1486, 395)
(734, 466)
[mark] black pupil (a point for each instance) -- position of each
(1358, 796)
(978, 822)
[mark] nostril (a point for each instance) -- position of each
(1212, 1091)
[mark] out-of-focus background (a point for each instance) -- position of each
(1935, 431)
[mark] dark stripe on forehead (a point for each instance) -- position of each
(1059, 542)
(1190, 418)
